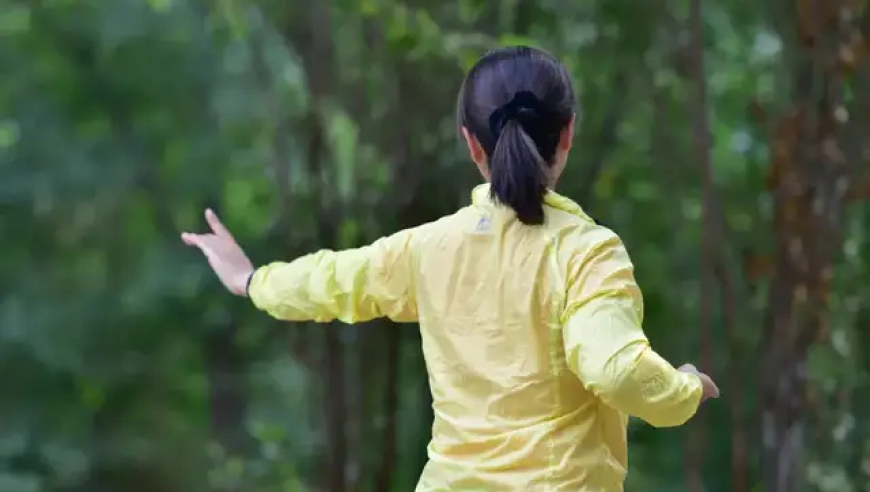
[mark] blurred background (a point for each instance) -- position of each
(725, 142)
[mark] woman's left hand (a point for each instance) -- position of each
(225, 256)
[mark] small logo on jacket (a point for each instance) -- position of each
(483, 224)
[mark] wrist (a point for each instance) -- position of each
(693, 380)
(247, 284)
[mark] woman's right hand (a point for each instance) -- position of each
(225, 256)
(710, 388)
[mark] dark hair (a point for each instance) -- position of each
(516, 101)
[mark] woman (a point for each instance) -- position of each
(529, 311)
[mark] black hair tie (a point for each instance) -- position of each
(524, 106)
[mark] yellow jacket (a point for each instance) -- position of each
(532, 338)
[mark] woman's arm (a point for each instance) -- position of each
(352, 285)
(605, 344)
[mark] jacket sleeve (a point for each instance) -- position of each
(605, 345)
(353, 285)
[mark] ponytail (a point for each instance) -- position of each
(517, 173)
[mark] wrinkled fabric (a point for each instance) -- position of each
(532, 338)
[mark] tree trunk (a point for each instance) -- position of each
(227, 374)
(405, 178)
(808, 181)
(696, 445)
(387, 465)
(313, 38)
(335, 396)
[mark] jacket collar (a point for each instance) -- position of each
(480, 195)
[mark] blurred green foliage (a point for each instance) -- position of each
(330, 123)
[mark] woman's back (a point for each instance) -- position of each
(509, 415)
(530, 314)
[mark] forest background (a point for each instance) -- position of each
(724, 140)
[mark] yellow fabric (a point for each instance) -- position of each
(532, 338)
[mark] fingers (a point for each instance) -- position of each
(710, 387)
(190, 239)
(201, 241)
(715, 389)
(216, 226)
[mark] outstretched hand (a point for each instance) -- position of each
(225, 256)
